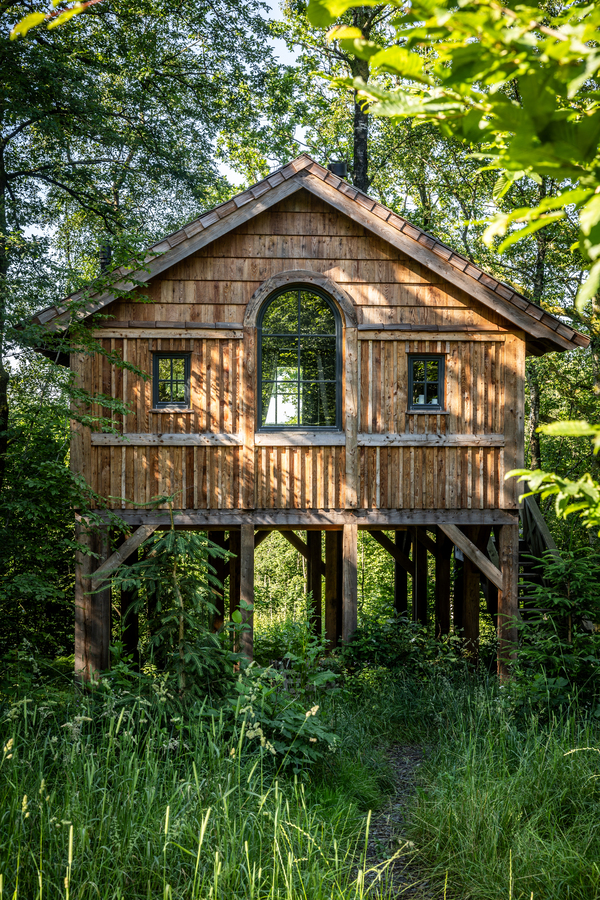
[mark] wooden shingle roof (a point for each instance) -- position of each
(545, 331)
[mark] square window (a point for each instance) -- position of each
(426, 382)
(171, 380)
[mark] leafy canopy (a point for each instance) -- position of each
(517, 80)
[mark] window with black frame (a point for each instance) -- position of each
(299, 366)
(171, 380)
(426, 382)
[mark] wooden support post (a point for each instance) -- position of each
(457, 600)
(221, 567)
(442, 584)
(400, 573)
(313, 580)
(92, 610)
(333, 587)
(247, 589)
(349, 581)
(471, 584)
(419, 580)
(234, 571)
(130, 623)
(508, 600)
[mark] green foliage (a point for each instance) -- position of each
(559, 652)
(398, 643)
(176, 579)
(519, 81)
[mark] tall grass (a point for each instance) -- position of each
(97, 802)
(511, 808)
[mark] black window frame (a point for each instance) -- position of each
(309, 288)
(441, 381)
(171, 404)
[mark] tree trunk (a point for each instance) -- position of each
(360, 169)
(4, 376)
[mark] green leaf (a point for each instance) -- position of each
(322, 13)
(529, 229)
(236, 617)
(25, 24)
(589, 288)
(574, 428)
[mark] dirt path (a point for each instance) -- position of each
(402, 877)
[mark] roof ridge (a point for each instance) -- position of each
(304, 164)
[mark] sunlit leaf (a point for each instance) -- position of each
(30, 21)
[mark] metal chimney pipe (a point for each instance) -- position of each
(339, 168)
(105, 257)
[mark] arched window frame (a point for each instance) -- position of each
(310, 288)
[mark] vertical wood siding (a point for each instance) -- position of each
(483, 382)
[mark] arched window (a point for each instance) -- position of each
(299, 361)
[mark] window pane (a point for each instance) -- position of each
(418, 393)
(318, 404)
(287, 404)
(316, 316)
(164, 369)
(178, 369)
(418, 370)
(281, 316)
(279, 358)
(432, 370)
(318, 358)
(164, 392)
(178, 392)
(432, 393)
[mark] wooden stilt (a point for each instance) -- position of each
(221, 567)
(313, 580)
(442, 584)
(234, 571)
(333, 587)
(349, 581)
(130, 623)
(92, 610)
(400, 574)
(419, 581)
(471, 584)
(508, 599)
(247, 589)
(457, 600)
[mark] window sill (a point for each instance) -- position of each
(427, 412)
(171, 409)
(299, 439)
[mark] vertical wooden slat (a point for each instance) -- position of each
(508, 598)
(249, 365)
(351, 417)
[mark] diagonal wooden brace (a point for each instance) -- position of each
(460, 540)
(119, 556)
(299, 545)
(394, 551)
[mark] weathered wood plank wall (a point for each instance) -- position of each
(386, 457)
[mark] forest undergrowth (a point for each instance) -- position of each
(127, 793)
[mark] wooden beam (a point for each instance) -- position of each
(349, 581)
(415, 333)
(394, 550)
(389, 439)
(508, 599)
(314, 573)
(234, 571)
(333, 587)
(460, 540)
(300, 439)
(261, 536)
(119, 556)
(300, 546)
(442, 584)
(402, 545)
(247, 589)
(302, 519)
(175, 333)
(420, 582)
(427, 542)
(136, 439)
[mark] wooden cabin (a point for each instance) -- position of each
(317, 364)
